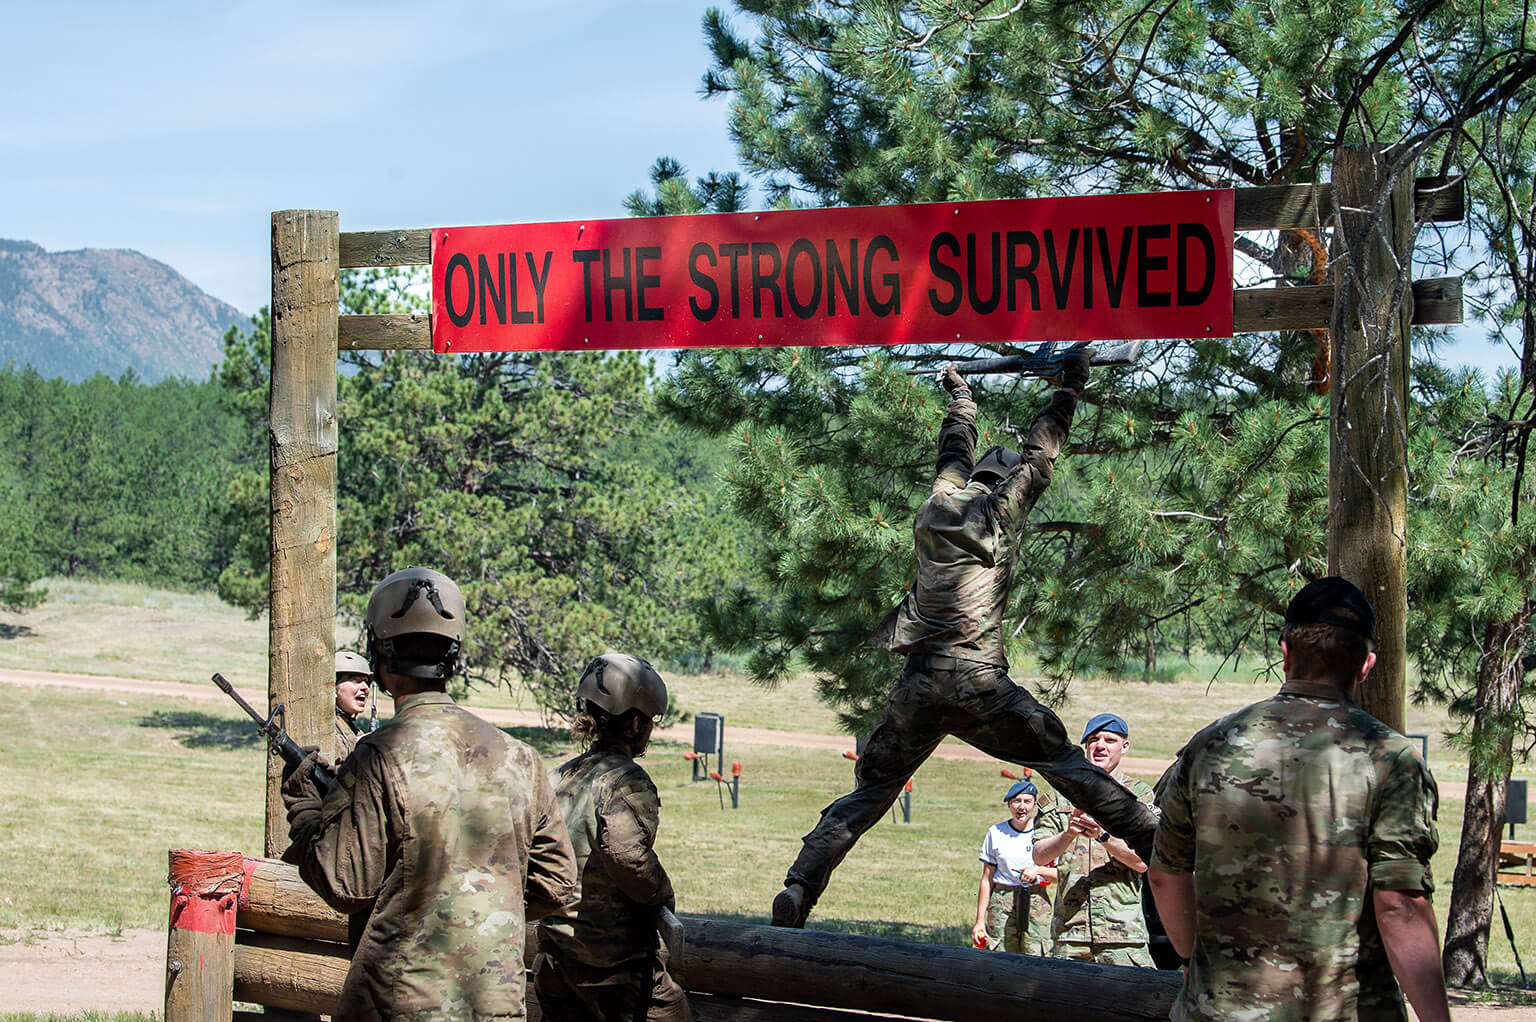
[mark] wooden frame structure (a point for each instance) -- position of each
(308, 253)
(287, 950)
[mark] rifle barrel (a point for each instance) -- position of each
(229, 690)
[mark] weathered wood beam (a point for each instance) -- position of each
(289, 972)
(1440, 199)
(402, 332)
(1436, 301)
(277, 901)
(1368, 399)
(302, 416)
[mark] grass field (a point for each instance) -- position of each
(98, 786)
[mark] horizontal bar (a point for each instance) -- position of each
(1436, 301)
(386, 248)
(1282, 207)
(394, 332)
(1440, 199)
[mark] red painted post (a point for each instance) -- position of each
(200, 943)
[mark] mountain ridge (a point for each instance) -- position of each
(94, 310)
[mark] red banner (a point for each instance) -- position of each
(1087, 268)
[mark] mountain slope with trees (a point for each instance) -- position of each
(108, 311)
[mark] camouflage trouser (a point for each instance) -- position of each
(1006, 919)
(576, 992)
(1106, 954)
(938, 695)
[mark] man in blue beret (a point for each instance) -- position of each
(1098, 916)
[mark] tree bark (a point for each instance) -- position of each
(1499, 674)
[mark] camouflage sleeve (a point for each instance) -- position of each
(1173, 850)
(1403, 836)
(344, 853)
(1029, 479)
(957, 444)
(552, 881)
(627, 822)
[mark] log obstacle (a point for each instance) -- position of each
(287, 950)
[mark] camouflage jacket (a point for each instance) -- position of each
(346, 736)
(1287, 813)
(967, 535)
(612, 811)
(1098, 897)
(445, 831)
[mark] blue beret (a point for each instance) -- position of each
(1106, 722)
(1021, 788)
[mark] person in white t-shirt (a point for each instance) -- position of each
(1008, 871)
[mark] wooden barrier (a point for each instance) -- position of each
(290, 953)
(1517, 863)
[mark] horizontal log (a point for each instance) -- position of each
(1436, 301)
(1441, 199)
(395, 332)
(900, 977)
(1285, 207)
(289, 972)
(276, 901)
(386, 248)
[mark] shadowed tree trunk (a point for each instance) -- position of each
(1499, 675)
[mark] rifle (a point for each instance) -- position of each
(277, 737)
(1046, 360)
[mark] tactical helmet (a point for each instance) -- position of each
(348, 662)
(415, 602)
(995, 464)
(617, 683)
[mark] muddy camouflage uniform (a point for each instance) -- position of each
(1288, 813)
(601, 959)
(443, 832)
(955, 681)
(347, 735)
(1097, 915)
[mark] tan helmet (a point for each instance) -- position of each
(618, 683)
(348, 662)
(415, 602)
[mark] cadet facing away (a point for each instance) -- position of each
(440, 836)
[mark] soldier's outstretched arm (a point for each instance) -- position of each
(957, 436)
(552, 884)
(1047, 436)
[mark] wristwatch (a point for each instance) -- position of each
(1103, 837)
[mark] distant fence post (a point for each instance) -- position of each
(306, 265)
(200, 944)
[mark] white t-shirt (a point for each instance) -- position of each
(1010, 851)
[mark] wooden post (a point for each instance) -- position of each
(200, 944)
(306, 261)
(1367, 455)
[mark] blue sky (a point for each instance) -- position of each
(177, 128)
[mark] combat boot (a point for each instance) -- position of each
(791, 906)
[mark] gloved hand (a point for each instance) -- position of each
(1074, 373)
(299, 782)
(952, 381)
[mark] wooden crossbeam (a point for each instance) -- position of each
(1436, 302)
(1282, 207)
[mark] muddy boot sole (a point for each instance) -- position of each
(790, 907)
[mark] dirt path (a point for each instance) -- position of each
(1149, 768)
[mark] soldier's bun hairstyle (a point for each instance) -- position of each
(593, 723)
